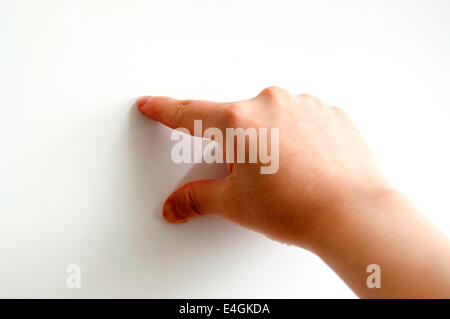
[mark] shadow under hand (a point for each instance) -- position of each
(169, 254)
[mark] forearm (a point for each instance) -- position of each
(389, 231)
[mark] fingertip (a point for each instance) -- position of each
(171, 214)
(142, 101)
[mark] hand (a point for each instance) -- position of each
(328, 194)
(324, 164)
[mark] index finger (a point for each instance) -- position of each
(179, 113)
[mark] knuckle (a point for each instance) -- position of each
(185, 102)
(232, 113)
(191, 201)
(339, 111)
(272, 92)
(179, 114)
(308, 98)
(311, 101)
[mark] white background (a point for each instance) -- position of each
(83, 176)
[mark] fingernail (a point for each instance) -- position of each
(142, 101)
(171, 214)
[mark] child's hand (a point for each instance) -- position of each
(327, 195)
(323, 165)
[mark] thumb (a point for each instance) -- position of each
(204, 197)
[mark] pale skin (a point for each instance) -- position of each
(328, 196)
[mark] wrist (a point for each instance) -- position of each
(352, 215)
